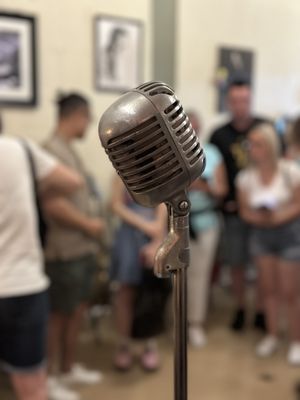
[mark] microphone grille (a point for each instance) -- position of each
(155, 88)
(144, 157)
(151, 143)
(186, 137)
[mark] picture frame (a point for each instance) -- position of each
(18, 69)
(234, 64)
(118, 49)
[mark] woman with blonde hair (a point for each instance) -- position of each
(269, 200)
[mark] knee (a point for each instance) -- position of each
(125, 294)
(30, 386)
(289, 295)
(269, 291)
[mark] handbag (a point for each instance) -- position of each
(150, 306)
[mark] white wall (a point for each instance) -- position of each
(65, 61)
(65, 57)
(271, 28)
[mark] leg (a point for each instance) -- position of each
(268, 282)
(236, 246)
(289, 274)
(202, 255)
(71, 283)
(31, 386)
(259, 322)
(55, 338)
(238, 285)
(124, 299)
(123, 309)
(71, 326)
(23, 343)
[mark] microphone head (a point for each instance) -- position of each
(151, 143)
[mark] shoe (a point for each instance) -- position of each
(259, 322)
(82, 376)
(150, 360)
(197, 337)
(238, 322)
(267, 346)
(123, 359)
(294, 354)
(57, 391)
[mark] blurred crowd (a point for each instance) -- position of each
(54, 230)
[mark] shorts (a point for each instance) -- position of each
(235, 241)
(71, 282)
(126, 263)
(23, 331)
(282, 241)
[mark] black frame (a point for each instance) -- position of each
(246, 74)
(32, 101)
(97, 68)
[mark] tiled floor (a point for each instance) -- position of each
(225, 370)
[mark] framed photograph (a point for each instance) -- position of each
(234, 64)
(118, 53)
(17, 60)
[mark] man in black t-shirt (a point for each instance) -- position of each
(230, 139)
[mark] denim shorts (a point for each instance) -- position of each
(71, 282)
(23, 330)
(235, 242)
(282, 241)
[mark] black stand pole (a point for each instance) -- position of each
(180, 325)
(173, 259)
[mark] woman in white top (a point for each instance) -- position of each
(269, 200)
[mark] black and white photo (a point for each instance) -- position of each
(234, 64)
(118, 51)
(17, 60)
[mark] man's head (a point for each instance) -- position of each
(73, 114)
(239, 101)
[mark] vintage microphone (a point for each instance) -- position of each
(154, 149)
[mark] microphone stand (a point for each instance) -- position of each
(172, 259)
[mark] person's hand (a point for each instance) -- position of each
(148, 253)
(275, 218)
(231, 206)
(94, 227)
(201, 185)
(265, 218)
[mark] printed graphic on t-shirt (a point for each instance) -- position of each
(238, 151)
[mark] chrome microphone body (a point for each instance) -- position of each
(154, 149)
(151, 143)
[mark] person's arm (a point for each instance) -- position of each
(289, 211)
(149, 251)
(61, 179)
(51, 175)
(218, 186)
(150, 228)
(248, 214)
(62, 211)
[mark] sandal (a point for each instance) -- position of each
(150, 360)
(123, 359)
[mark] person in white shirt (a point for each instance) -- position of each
(269, 200)
(23, 284)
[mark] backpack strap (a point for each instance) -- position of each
(42, 225)
(31, 165)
